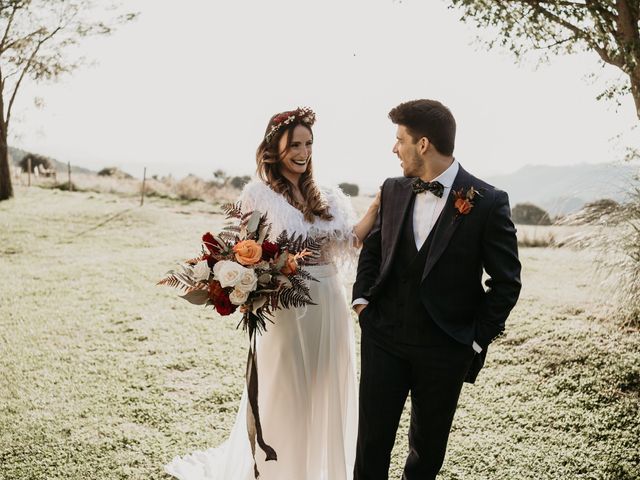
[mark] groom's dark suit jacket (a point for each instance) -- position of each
(459, 248)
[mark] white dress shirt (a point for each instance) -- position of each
(427, 207)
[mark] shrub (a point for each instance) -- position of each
(350, 189)
(191, 188)
(530, 214)
(65, 187)
(239, 182)
(114, 172)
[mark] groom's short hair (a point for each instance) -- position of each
(427, 118)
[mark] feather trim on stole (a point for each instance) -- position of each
(256, 195)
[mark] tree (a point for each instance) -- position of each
(350, 189)
(239, 182)
(35, 36)
(610, 28)
(35, 161)
(529, 214)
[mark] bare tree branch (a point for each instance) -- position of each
(6, 31)
(25, 70)
(21, 40)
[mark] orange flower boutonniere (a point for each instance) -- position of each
(464, 200)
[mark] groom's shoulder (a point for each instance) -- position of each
(392, 182)
(486, 189)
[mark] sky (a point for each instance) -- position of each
(189, 88)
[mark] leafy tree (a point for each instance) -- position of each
(350, 189)
(35, 161)
(37, 39)
(609, 28)
(529, 214)
(240, 182)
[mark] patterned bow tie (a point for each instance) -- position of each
(420, 186)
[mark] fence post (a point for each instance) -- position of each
(69, 174)
(144, 178)
(28, 171)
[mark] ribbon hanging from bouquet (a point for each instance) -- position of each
(254, 427)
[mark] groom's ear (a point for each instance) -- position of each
(423, 145)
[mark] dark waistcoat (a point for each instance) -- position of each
(399, 310)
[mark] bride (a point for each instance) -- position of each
(306, 358)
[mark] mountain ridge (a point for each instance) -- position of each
(562, 189)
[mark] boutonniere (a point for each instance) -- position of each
(464, 200)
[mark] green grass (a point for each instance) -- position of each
(105, 375)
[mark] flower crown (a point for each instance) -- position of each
(303, 114)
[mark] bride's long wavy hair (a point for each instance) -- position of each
(269, 165)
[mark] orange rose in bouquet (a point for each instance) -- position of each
(248, 252)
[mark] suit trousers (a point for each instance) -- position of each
(389, 372)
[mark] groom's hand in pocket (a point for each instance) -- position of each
(359, 308)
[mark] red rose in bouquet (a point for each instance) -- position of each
(213, 247)
(224, 306)
(269, 250)
(215, 290)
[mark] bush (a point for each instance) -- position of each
(114, 172)
(191, 188)
(65, 187)
(239, 182)
(529, 214)
(350, 189)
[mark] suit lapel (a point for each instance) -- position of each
(446, 226)
(404, 195)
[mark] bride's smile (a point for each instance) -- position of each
(296, 155)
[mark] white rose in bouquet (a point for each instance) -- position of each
(238, 297)
(201, 271)
(228, 273)
(248, 281)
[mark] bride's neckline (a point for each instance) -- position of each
(284, 199)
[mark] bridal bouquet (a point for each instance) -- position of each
(239, 268)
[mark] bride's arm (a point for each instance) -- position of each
(364, 226)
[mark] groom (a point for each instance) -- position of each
(426, 319)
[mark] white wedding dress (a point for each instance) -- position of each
(306, 367)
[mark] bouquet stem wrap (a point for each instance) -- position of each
(254, 427)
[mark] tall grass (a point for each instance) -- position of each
(615, 237)
(534, 239)
(190, 188)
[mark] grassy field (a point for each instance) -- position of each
(104, 375)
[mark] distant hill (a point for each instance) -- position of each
(566, 189)
(17, 154)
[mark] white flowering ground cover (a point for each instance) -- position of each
(105, 375)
